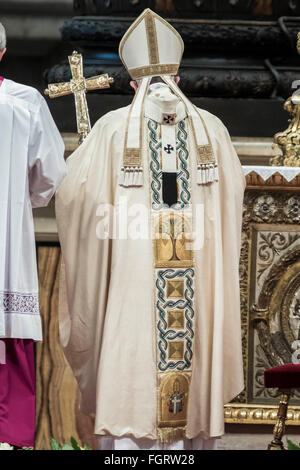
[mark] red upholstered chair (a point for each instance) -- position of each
(286, 378)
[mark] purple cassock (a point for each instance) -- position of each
(17, 392)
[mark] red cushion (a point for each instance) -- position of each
(284, 377)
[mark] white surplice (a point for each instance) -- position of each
(31, 167)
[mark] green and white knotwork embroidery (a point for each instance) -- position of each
(183, 176)
(175, 312)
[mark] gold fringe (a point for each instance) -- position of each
(169, 435)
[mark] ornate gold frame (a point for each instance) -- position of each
(259, 414)
(239, 411)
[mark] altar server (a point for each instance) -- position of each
(31, 167)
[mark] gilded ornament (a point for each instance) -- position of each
(270, 300)
(286, 147)
(79, 85)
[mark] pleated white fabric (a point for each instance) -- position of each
(111, 443)
(265, 172)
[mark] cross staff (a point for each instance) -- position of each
(79, 85)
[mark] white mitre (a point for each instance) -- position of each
(152, 47)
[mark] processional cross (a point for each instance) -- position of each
(79, 85)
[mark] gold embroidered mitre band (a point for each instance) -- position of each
(152, 47)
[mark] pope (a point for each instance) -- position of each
(149, 219)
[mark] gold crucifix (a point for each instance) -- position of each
(79, 85)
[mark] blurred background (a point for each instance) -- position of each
(240, 58)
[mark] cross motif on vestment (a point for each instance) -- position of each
(169, 149)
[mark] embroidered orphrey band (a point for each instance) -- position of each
(152, 39)
(132, 168)
(174, 289)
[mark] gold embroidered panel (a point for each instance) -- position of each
(173, 399)
(174, 287)
(171, 239)
(175, 319)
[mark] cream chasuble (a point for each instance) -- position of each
(149, 219)
(151, 323)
